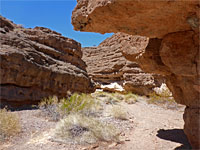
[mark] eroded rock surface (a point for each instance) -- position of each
(36, 63)
(146, 18)
(173, 49)
(106, 64)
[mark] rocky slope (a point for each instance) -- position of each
(106, 64)
(36, 63)
(173, 49)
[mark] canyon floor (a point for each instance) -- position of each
(154, 127)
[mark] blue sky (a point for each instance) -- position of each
(52, 14)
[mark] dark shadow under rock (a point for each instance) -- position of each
(175, 135)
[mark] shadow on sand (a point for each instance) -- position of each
(175, 135)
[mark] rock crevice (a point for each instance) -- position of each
(107, 65)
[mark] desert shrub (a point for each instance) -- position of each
(9, 124)
(163, 98)
(130, 98)
(51, 100)
(57, 109)
(83, 129)
(50, 107)
(84, 103)
(110, 98)
(114, 98)
(118, 96)
(119, 112)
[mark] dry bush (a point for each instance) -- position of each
(114, 98)
(119, 112)
(161, 99)
(130, 98)
(50, 108)
(78, 128)
(162, 96)
(9, 124)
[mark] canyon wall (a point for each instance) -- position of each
(106, 65)
(37, 63)
(173, 49)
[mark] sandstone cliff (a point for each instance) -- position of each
(36, 63)
(173, 49)
(106, 64)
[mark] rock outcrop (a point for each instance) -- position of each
(173, 49)
(107, 65)
(36, 63)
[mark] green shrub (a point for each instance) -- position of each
(57, 109)
(83, 129)
(78, 103)
(9, 124)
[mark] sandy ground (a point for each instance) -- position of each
(154, 128)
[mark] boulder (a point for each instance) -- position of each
(106, 65)
(173, 49)
(37, 63)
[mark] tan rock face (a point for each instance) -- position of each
(106, 64)
(173, 49)
(36, 63)
(146, 18)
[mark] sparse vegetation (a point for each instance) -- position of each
(114, 98)
(130, 98)
(9, 124)
(119, 112)
(82, 117)
(83, 129)
(78, 103)
(162, 96)
(57, 109)
(156, 99)
(50, 107)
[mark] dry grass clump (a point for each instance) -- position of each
(119, 112)
(9, 124)
(130, 98)
(114, 98)
(50, 107)
(78, 128)
(162, 98)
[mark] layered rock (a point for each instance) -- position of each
(37, 63)
(173, 49)
(107, 65)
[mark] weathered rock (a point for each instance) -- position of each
(36, 63)
(173, 49)
(106, 64)
(146, 18)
